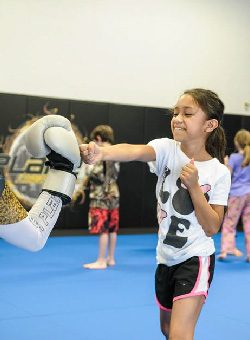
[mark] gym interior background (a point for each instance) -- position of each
(122, 63)
(132, 124)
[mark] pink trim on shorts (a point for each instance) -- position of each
(193, 292)
(189, 295)
(198, 277)
(208, 275)
(161, 307)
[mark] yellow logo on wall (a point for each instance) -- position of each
(24, 174)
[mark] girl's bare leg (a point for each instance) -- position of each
(165, 317)
(184, 317)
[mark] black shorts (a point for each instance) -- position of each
(189, 278)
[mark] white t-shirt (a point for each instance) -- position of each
(180, 234)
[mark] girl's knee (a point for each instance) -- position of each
(181, 334)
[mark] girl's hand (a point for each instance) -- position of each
(90, 153)
(189, 175)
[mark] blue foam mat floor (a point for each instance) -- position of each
(48, 295)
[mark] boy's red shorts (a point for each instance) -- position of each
(103, 220)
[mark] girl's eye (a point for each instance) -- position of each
(186, 114)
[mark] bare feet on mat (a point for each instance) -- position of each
(222, 256)
(236, 252)
(110, 262)
(96, 265)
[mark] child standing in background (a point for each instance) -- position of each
(101, 178)
(239, 197)
(192, 192)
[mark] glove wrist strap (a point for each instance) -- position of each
(60, 183)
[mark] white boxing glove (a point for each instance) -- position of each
(52, 137)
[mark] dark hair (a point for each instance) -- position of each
(105, 132)
(213, 107)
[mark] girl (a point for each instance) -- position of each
(192, 191)
(239, 200)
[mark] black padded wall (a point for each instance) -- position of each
(156, 125)
(127, 122)
(86, 115)
(245, 122)
(128, 125)
(231, 124)
(13, 110)
(38, 105)
(131, 124)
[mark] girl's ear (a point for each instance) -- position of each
(211, 124)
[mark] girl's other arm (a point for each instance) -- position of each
(209, 216)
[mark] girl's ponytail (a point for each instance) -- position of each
(242, 142)
(216, 144)
(246, 154)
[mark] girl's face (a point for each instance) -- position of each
(189, 122)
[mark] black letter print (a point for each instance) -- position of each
(164, 195)
(171, 238)
(182, 202)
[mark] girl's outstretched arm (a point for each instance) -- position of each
(92, 153)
